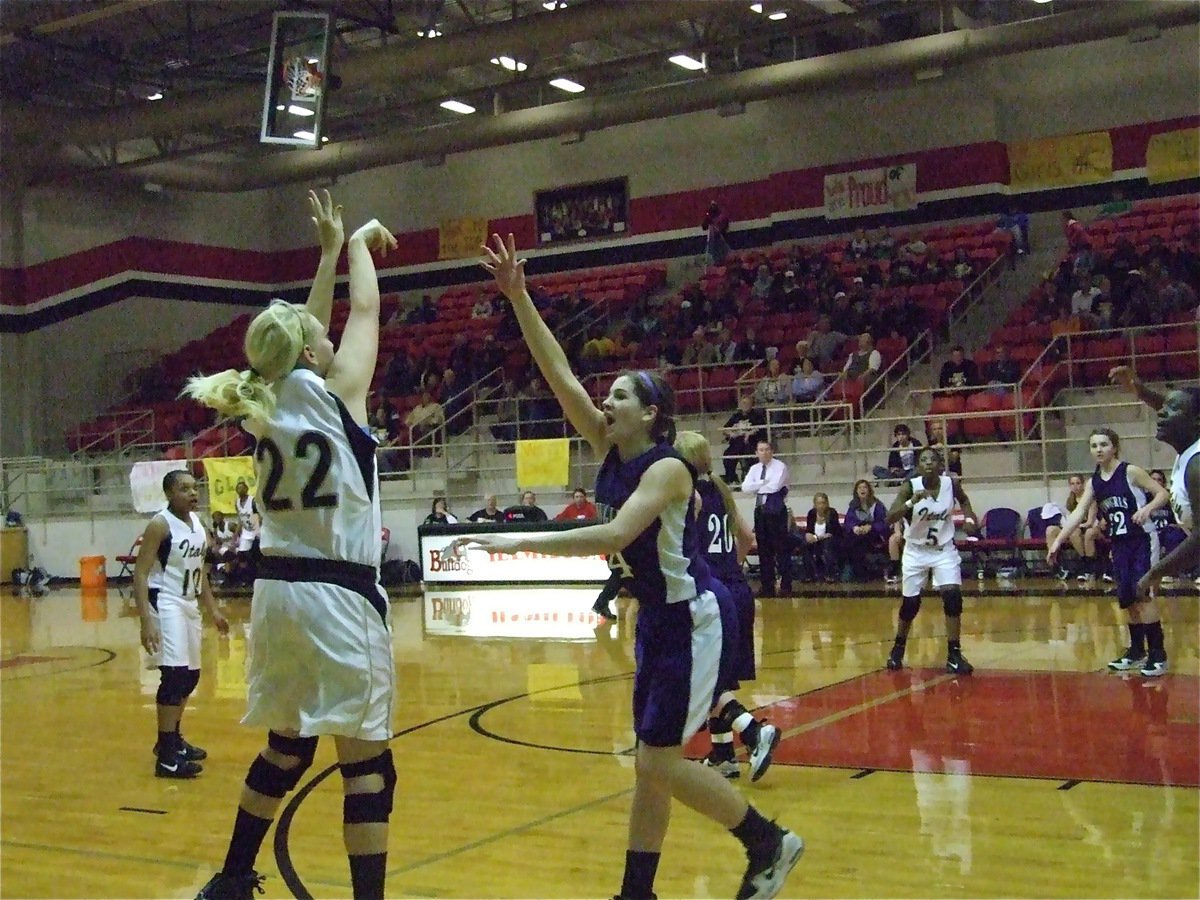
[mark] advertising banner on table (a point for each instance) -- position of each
(460, 238)
(145, 483)
(540, 613)
(479, 566)
(543, 463)
(223, 475)
(1061, 161)
(1173, 156)
(871, 191)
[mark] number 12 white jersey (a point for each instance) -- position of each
(932, 522)
(318, 490)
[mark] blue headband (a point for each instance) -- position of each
(655, 397)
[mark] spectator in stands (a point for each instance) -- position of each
(699, 351)
(859, 244)
(505, 403)
(1015, 223)
(935, 436)
(959, 371)
(424, 313)
(774, 388)
(750, 350)
(743, 430)
(807, 383)
(727, 347)
(902, 458)
(1003, 371)
(224, 545)
(962, 268)
(864, 364)
(1117, 206)
(864, 530)
(1079, 244)
(821, 539)
(398, 377)
(763, 283)
(457, 401)
(541, 411)
(883, 245)
(716, 227)
(424, 423)
(790, 297)
(385, 421)
(825, 344)
(914, 249)
(486, 364)
(579, 509)
(482, 308)
(461, 354)
(429, 376)
(1086, 292)
(489, 513)
(1065, 323)
(525, 511)
(439, 514)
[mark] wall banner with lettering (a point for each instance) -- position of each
(460, 238)
(1061, 161)
(1173, 156)
(871, 191)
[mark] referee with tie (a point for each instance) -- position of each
(768, 481)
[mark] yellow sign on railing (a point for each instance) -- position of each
(543, 463)
(1173, 156)
(1061, 161)
(460, 238)
(223, 475)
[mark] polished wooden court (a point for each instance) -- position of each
(1040, 776)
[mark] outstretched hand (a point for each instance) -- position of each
(328, 219)
(377, 238)
(502, 262)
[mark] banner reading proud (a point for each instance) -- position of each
(1173, 156)
(871, 191)
(1061, 161)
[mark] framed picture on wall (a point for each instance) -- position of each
(582, 211)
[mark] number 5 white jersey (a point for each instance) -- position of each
(932, 522)
(180, 557)
(318, 491)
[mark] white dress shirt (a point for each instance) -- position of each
(764, 479)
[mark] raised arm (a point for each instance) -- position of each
(331, 234)
(1123, 376)
(580, 411)
(354, 363)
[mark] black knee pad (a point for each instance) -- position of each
(270, 780)
(175, 684)
(376, 806)
(909, 607)
(952, 602)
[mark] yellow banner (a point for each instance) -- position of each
(1060, 161)
(1173, 156)
(460, 238)
(223, 475)
(543, 463)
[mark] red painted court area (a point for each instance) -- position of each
(1060, 725)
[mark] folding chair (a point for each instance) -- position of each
(128, 559)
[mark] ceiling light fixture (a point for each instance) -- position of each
(686, 62)
(552, 5)
(566, 84)
(301, 110)
(155, 95)
(507, 62)
(304, 135)
(431, 32)
(777, 16)
(457, 106)
(756, 7)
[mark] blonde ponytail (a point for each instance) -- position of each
(695, 448)
(274, 342)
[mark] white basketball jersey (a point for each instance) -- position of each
(318, 491)
(932, 523)
(245, 513)
(177, 566)
(1180, 502)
